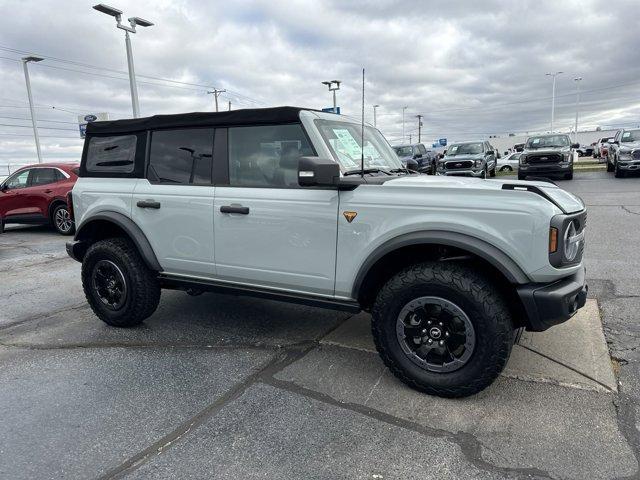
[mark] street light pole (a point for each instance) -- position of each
(419, 117)
(553, 95)
(375, 123)
(333, 85)
(403, 109)
(27, 80)
(133, 22)
(577, 80)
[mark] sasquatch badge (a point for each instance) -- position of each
(349, 216)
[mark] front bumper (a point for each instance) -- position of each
(547, 168)
(549, 304)
(628, 165)
(76, 250)
(462, 173)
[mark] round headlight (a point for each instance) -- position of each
(571, 247)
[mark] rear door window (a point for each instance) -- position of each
(181, 156)
(111, 154)
(43, 176)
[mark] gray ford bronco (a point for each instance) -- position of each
(310, 207)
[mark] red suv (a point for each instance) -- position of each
(38, 195)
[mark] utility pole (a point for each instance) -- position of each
(419, 117)
(409, 139)
(134, 22)
(375, 123)
(333, 85)
(553, 95)
(403, 109)
(229, 105)
(26, 60)
(216, 92)
(577, 80)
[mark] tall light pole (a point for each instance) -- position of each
(26, 60)
(133, 22)
(403, 109)
(577, 80)
(553, 95)
(419, 117)
(375, 123)
(216, 93)
(333, 85)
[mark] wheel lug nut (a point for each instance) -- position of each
(440, 323)
(446, 334)
(441, 342)
(424, 330)
(428, 322)
(429, 341)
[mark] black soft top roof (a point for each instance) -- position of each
(248, 116)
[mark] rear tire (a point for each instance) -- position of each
(455, 305)
(121, 290)
(609, 166)
(61, 220)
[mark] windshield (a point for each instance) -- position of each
(630, 136)
(465, 149)
(344, 141)
(403, 151)
(548, 141)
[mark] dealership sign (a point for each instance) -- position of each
(83, 120)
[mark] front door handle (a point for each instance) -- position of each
(234, 209)
(48, 191)
(148, 204)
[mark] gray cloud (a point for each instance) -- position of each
(471, 69)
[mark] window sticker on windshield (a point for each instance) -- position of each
(453, 149)
(371, 152)
(346, 143)
(626, 134)
(536, 140)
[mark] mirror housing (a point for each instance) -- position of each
(575, 145)
(318, 172)
(412, 165)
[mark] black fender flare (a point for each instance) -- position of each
(496, 257)
(134, 232)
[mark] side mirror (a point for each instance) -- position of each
(575, 145)
(412, 165)
(417, 155)
(611, 140)
(318, 172)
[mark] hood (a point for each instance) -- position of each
(629, 144)
(565, 201)
(463, 156)
(547, 150)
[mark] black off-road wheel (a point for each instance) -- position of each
(61, 220)
(443, 329)
(120, 288)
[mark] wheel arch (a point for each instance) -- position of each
(397, 253)
(54, 203)
(109, 224)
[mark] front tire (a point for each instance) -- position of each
(443, 329)
(492, 172)
(61, 220)
(121, 290)
(521, 176)
(617, 172)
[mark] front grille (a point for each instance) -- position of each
(545, 158)
(453, 165)
(635, 154)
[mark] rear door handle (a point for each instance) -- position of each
(148, 204)
(234, 209)
(48, 191)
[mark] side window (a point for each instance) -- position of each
(421, 149)
(43, 176)
(181, 156)
(18, 180)
(111, 154)
(266, 156)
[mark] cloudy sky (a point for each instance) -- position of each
(471, 68)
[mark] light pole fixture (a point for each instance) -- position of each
(133, 22)
(419, 117)
(403, 109)
(27, 80)
(553, 95)
(375, 123)
(577, 80)
(333, 86)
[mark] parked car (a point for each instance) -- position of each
(585, 150)
(37, 195)
(624, 152)
(425, 159)
(509, 162)
(274, 203)
(547, 154)
(602, 147)
(473, 159)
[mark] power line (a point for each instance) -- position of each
(39, 127)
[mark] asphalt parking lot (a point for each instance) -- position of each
(218, 386)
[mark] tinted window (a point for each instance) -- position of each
(111, 154)
(43, 176)
(18, 180)
(421, 149)
(181, 156)
(266, 156)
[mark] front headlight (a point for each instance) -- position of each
(568, 157)
(478, 163)
(523, 160)
(571, 243)
(625, 152)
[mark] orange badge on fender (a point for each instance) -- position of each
(349, 216)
